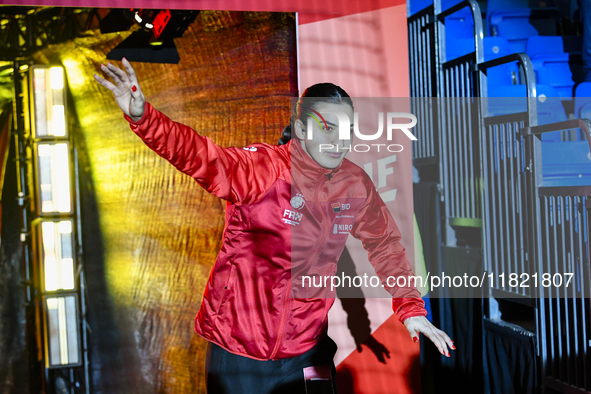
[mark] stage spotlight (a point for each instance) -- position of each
(62, 341)
(154, 43)
(53, 178)
(155, 20)
(54, 270)
(51, 146)
(57, 257)
(48, 102)
(138, 47)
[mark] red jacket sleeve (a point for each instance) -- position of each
(380, 235)
(238, 175)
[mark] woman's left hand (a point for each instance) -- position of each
(417, 324)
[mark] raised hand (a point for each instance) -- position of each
(125, 88)
(417, 324)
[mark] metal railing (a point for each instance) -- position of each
(422, 56)
(505, 192)
(560, 234)
(491, 176)
(538, 235)
(433, 76)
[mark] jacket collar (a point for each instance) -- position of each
(305, 170)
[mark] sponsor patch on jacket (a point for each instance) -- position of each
(342, 228)
(336, 207)
(291, 217)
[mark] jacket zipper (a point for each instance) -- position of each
(324, 236)
(286, 299)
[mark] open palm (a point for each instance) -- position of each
(125, 89)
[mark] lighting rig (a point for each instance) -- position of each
(47, 193)
(47, 174)
(154, 42)
(47, 190)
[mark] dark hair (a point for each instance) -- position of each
(320, 93)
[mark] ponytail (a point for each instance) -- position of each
(285, 136)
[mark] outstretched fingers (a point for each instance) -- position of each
(447, 339)
(440, 339)
(125, 89)
(105, 83)
(116, 72)
(435, 336)
(113, 76)
(132, 77)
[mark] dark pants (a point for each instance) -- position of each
(230, 373)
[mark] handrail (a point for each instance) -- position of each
(453, 9)
(478, 27)
(476, 16)
(530, 76)
(530, 80)
(584, 124)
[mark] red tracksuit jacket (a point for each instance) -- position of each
(284, 220)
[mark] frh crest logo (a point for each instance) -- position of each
(297, 201)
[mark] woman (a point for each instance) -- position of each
(267, 330)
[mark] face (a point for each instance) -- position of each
(325, 147)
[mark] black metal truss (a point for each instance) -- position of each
(25, 30)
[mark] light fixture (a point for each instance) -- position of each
(154, 20)
(53, 178)
(48, 104)
(140, 47)
(57, 78)
(154, 43)
(62, 340)
(58, 274)
(57, 258)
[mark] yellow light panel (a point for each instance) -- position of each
(58, 262)
(66, 227)
(54, 177)
(62, 180)
(59, 121)
(62, 331)
(57, 78)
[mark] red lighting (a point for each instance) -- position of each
(160, 22)
(155, 20)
